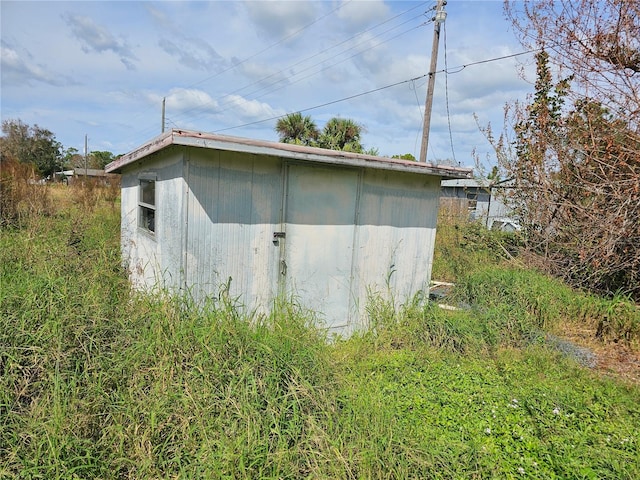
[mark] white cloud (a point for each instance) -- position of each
(252, 110)
(193, 53)
(96, 38)
(277, 19)
(358, 15)
(181, 100)
(18, 67)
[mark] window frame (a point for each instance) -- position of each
(146, 222)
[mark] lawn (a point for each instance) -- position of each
(99, 382)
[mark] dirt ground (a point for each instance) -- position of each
(613, 359)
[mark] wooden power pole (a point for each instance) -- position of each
(439, 18)
(164, 99)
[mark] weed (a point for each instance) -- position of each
(99, 382)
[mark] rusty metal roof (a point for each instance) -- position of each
(284, 150)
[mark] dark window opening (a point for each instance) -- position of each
(147, 204)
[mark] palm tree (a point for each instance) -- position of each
(341, 134)
(298, 129)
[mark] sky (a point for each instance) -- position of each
(102, 69)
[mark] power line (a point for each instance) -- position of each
(344, 99)
(462, 67)
(230, 103)
(322, 105)
(324, 52)
(446, 94)
(279, 42)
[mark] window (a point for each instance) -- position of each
(472, 201)
(147, 204)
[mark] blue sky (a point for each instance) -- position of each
(103, 68)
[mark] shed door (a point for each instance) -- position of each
(320, 227)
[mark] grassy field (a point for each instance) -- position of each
(98, 382)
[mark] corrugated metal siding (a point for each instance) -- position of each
(349, 231)
(233, 210)
(396, 236)
(320, 228)
(154, 263)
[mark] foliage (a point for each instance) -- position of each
(373, 151)
(511, 300)
(462, 245)
(337, 134)
(341, 134)
(525, 414)
(21, 196)
(298, 129)
(576, 186)
(99, 159)
(32, 145)
(597, 42)
(99, 382)
(405, 156)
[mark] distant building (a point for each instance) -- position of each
(481, 199)
(70, 176)
(214, 215)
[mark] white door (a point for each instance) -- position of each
(320, 227)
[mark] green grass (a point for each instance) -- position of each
(98, 382)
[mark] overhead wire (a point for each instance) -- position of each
(279, 42)
(321, 105)
(230, 103)
(446, 94)
(350, 97)
(325, 52)
(421, 111)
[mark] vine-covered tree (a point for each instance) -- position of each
(596, 41)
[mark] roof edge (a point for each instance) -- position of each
(287, 150)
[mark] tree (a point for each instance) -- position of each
(70, 157)
(494, 175)
(31, 145)
(99, 159)
(341, 134)
(297, 129)
(406, 156)
(597, 42)
(576, 150)
(576, 175)
(337, 134)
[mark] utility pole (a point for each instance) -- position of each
(439, 18)
(86, 152)
(164, 99)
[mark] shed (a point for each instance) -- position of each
(261, 220)
(482, 199)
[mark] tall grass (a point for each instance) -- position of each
(99, 382)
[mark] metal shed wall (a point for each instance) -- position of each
(154, 260)
(234, 207)
(345, 232)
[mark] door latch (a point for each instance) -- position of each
(277, 236)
